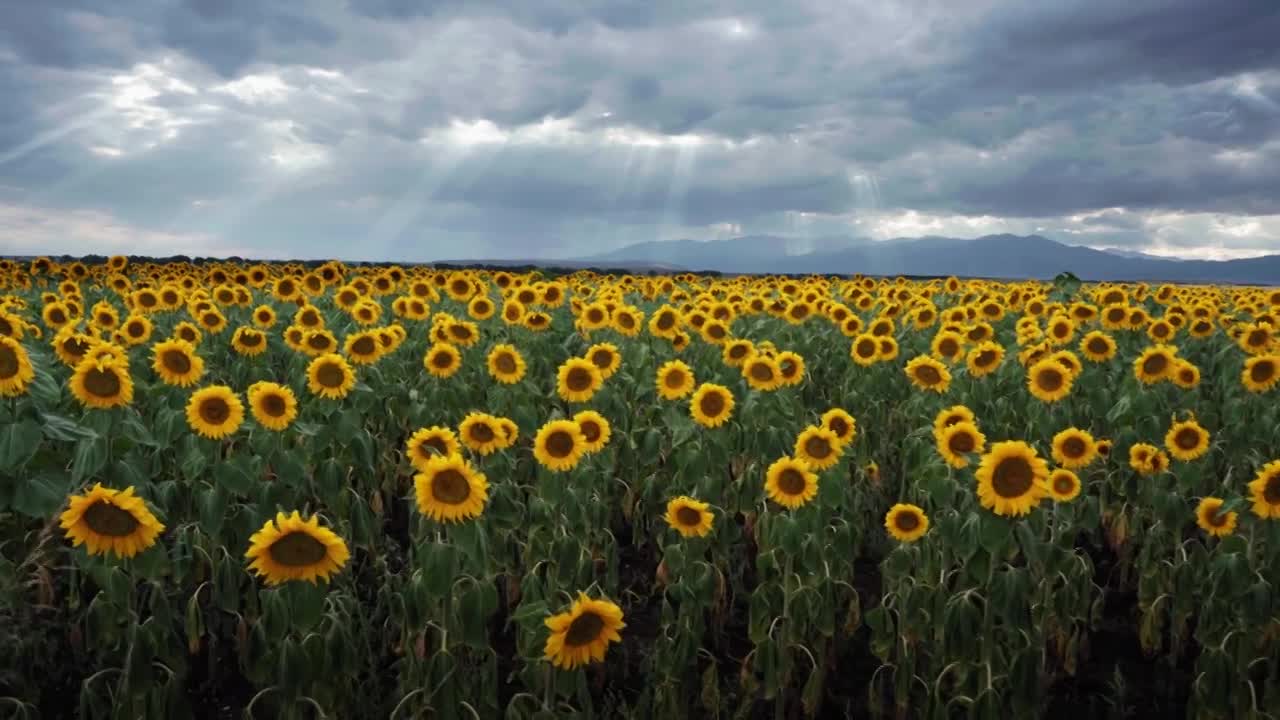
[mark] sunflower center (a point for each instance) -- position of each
(75, 346)
(1215, 517)
(8, 362)
(761, 371)
(817, 448)
(318, 341)
(215, 411)
(298, 549)
(928, 375)
(442, 360)
(176, 361)
(688, 517)
(590, 430)
(1063, 484)
(273, 404)
(481, 432)
(57, 317)
(1073, 447)
(505, 363)
(1049, 379)
(866, 348)
(136, 329)
(791, 481)
(560, 444)
(187, 334)
(584, 630)
(906, 521)
(961, 443)
(838, 426)
(948, 347)
(1258, 338)
(1271, 491)
(674, 379)
(210, 320)
(1187, 438)
(1262, 371)
(102, 383)
(330, 375)
(712, 404)
(602, 359)
(1012, 477)
(107, 519)
(1155, 364)
(578, 379)
(450, 487)
(1097, 346)
(665, 321)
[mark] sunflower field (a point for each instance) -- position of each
(304, 490)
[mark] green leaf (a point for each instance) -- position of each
(213, 509)
(233, 477)
(57, 427)
(89, 458)
(40, 496)
(18, 442)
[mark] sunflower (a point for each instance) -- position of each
(1097, 346)
(791, 365)
(985, 358)
(290, 548)
(736, 352)
(110, 521)
(1064, 485)
(214, 412)
(906, 522)
(136, 329)
(1074, 449)
(1155, 364)
(958, 440)
(1147, 459)
(595, 430)
(790, 483)
(537, 321)
(689, 517)
(506, 364)
(480, 433)
(442, 360)
(16, 371)
(711, 405)
(675, 380)
(264, 317)
(578, 379)
(1212, 520)
(188, 332)
(71, 346)
(1185, 374)
(1264, 490)
(448, 489)
(1104, 448)
(948, 346)
(363, 347)
(1048, 380)
(272, 405)
(318, 342)
(841, 424)
(818, 447)
(177, 363)
(430, 442)
(865, 349)
(1186, 440)
(248, 341)
(102, 383)
(1261, 373)
(762, 373)
(1011, 478)
(559, 445)
(605, 357)
(582, 634)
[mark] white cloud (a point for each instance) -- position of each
(28, 230)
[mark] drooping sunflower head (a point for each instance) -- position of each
(582, 634)
(110, 521)
(448, 489)
(274, 406)
(790, 482)
(906, 522)
(291, 548)
(711, 405)
(214, 412)
(329, 376)
(928, 373)
(102, 383)
(1211, 518)
(559, 445)
(1012, 478)
(1074, 448)
(674, 380)
(177, 363)
(1048, 380)
(578, 379)
(689, 517)
(1064, 485)
(1187, 440)
(71, 346)
(506, 364)
(442, 360)
(841, 423)
(1264, 491)
(956, 442)
(595, 430)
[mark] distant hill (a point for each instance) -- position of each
(994, 256)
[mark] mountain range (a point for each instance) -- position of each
(993, 256)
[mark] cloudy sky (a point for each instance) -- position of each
(418, 130)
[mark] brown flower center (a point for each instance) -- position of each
(906, 520)
(106, 519)
(674, 379)
(866, 348)
(1098, 346)
(761, 371)
(560, 444)
(961, 443)
(818, 448)
(481, 432)
(273, 404)
(665, 321)
(1187, 438)
(297, 549)
(102, 383)
(450, 486)
(8, 362)
(712, 404)
(688, 517)
(1012, 477)
(1049, 379)
(442, 359)
(1063, 484)
(1258, 338)
(1262, 371)
(839, 426)
(330, 375)
(578, 379)
(590, 430)
(602, 358)
(316, 341)
(250, 339)
(214, 410)
(364, 345)
(460, 332)
(176, 362)
(583, 630)
(505, 363)
(136, 329)
(1271, 490)
(928, 375)
(1155, 364)
(791, 481)
(1073, 447)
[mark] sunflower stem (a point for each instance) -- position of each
(780, 705)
